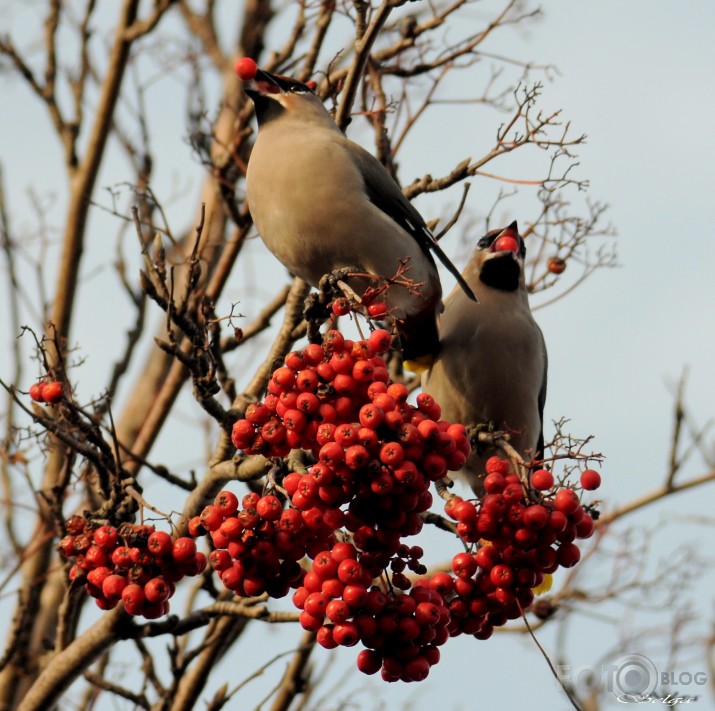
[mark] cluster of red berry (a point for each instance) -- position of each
(50, 391)
(258, 544)
(335, 401)
(376, 456)
(375, 309)
(133, 563)
(522, 536)
(347, 515)
(401, 632)
(257, 548)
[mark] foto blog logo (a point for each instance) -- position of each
(633, 676)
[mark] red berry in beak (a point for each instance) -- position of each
(506, 243)
(246, 69)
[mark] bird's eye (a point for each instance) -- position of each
(485, 241)
(299, 88)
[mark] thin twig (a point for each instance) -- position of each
(548, 661)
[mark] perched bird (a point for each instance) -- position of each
(491, 369)
(323, 203)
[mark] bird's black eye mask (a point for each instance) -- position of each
(263, 90)
(275, 83)
(486, 241)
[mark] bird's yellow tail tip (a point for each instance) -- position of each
(544, 586)
(420, 364)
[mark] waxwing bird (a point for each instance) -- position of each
(323, 203)
(491, 368)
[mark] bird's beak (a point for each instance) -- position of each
(508, 240)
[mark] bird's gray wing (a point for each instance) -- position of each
(385, 194)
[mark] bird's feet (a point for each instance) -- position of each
(483, 436)
(315, 313)
(330, 282)
(317, 309)
(334, 285)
